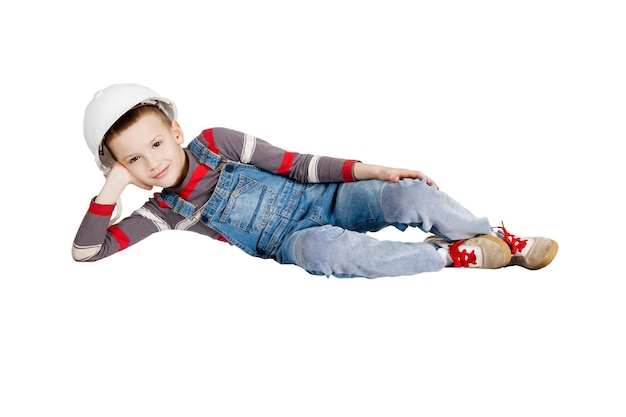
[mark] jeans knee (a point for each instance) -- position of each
(315, 248)
(408, 200)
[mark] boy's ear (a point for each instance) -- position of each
(177, 131)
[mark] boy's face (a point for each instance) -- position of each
(152, 151)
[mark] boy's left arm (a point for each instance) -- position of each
(306, 168)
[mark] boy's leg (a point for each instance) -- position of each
(331, 250)
(371, 205)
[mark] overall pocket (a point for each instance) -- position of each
(249, 204)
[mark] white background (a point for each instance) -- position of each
(516, 109)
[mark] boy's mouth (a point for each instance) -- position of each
(162, 173)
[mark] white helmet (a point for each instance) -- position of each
(107, 106)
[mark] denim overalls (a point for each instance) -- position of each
(321, 227)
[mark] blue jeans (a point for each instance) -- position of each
(322, 227)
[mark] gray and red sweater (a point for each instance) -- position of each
(95, 239)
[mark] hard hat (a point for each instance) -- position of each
(107, 106)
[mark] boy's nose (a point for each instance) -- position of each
(153, 162)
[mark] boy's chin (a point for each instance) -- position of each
(168, 183)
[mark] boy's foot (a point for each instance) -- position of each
(529, 252)
(482, 251)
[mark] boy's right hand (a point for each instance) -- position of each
(122, 175)
(116, 181)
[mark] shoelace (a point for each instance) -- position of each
(461, 258)
(515, 243)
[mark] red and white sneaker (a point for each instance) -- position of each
(483, 251)
(528, 252)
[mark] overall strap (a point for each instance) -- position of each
(177, 204)
(205, 156)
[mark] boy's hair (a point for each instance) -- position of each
(131, 117)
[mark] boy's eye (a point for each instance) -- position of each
(133, 159)
(157, 144)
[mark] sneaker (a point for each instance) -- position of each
(529, 252)
(484, 251)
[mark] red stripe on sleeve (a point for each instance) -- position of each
(346, 171)
(101, 209)
(285, 165)
(120, 237)
(208, 136)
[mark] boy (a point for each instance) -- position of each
(307, 210)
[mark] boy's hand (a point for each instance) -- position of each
(120, 174)
(116, 181)
(396, 174)
(367, 171)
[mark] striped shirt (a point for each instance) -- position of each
(96, 239)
